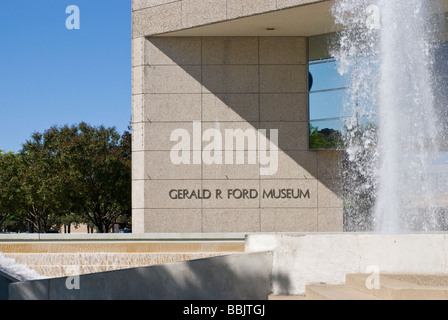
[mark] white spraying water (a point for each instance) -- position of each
(17, 271)
(407, 119)
(387, 49)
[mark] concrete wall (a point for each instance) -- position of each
(233, 277)
(327, 258)
(227, 83)
(5, 281)
(152, 17)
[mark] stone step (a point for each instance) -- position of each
(391, 287)
(402, 286)
(335, 292)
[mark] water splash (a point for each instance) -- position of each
(67, 264)
(408, 122)
(356, 54)
(17, 271)
(392, 138)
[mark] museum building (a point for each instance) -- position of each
(236, 116)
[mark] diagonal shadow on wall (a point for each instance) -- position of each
(245, 83)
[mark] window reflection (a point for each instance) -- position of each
(326, 134)
(327, 104)
(327, 90)
(326, 76)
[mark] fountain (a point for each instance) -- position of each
(388, 50)
(17, 271)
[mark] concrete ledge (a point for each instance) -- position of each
(121, 243)
(124, 237)
(233, 277)
(326, 258)
(157, 17)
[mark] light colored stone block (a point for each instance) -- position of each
(172, 107)
(231, 171)
(330, 193)
(138, 165)
(138, 136)
(291, 135)
(293, 165)
(138, 51)
(230, 50)
(283, 107)
(138, 80)
(143, 4)
(138, 194)
(159, 166)
(238, 8)
(283, 78)
(283, 50)
(172, 194)
(173, 51)
(231, 220)
(288, 220)
(158, 135)
(230, 107)
(156, 20)
(201, 12)
(172, 79)
(138, 221)
(235, 135)
(138, 106)
(232, 194)
(330, 220)
(288, 194)
(173, 221)
(230, 78)
(407, 253)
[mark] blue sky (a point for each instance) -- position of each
(50, 75)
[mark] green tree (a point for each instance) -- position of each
(9, 189)
(96, 168)
(324, 139)
(41, 181)
(71, 174)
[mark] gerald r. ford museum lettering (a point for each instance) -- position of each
(182, 194)
(223, 149)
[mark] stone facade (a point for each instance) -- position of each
(151, 17)
(247, 83)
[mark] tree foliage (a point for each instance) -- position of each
(69, 174)
(9, 189)
(324, 139)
